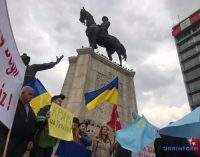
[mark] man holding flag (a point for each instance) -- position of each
(45, 142)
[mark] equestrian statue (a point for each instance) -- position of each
(98, 35)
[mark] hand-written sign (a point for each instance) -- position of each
(60, 123)
(5, 98)
(12, 69)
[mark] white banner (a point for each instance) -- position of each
(12, 69)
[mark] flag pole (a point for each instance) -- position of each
(114, 142)
(7, 141)
(115, 127)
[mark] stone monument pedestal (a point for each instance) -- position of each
(89, 71)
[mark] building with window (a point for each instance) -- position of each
(187, 39)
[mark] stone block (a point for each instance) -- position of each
(89, 71)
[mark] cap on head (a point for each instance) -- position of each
(57, 96)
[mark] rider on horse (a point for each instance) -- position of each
(104, 26)
(98, 35)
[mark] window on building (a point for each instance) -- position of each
(197, 38)
(191, 63)
(194, 85)
(186, 44)
(196, 27)
(196, 98)
(188, 53)
(198, 48)
(184, 34)
(192, 74)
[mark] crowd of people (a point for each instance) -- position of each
(30, 134)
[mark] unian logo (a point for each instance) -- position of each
(179, 148)
(185, 24)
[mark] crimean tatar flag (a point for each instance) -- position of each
(41, 96)
(107, 93)
(136, 135)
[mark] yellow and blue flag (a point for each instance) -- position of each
(41, 96)
(108, 93)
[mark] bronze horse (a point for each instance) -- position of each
(93, 32)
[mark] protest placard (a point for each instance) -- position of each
(60, 123)
(12, 69)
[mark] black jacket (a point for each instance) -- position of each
(121, 152)
(24, 126)
(22, 132)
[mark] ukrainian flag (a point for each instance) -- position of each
(41, 96)
(108, 93)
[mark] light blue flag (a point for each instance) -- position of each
(186, 127)
(137, 135)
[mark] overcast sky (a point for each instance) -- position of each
(46, 28)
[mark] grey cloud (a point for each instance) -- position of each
(181, 9)
(49, 28)
(163, 85)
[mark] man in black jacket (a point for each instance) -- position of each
(24, 125)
